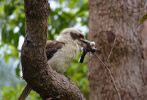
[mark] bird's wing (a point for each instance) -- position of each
(52, 47)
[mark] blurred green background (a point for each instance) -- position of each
(64, 13)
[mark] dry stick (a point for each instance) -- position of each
(108, 61)
(110, 73)
(111, 49)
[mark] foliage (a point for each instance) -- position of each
(68, 14)
(12, 93)
(64, 13)
(11, 21)
(78, 73)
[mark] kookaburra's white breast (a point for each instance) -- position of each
(63, 57)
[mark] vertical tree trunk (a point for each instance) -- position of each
(110, 19)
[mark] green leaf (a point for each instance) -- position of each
(17, 70)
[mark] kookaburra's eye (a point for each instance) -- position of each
(81, 36)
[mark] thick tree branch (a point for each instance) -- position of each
(37, 73)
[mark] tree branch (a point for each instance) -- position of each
(25, 93)
(37, 73)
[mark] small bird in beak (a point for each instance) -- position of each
(62, 51)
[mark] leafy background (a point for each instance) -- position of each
(64, 13)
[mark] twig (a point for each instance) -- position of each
(110, 73)
(111, 49)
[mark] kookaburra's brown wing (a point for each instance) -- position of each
(52, 47)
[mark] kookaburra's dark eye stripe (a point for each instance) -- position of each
(76, 36)
(73, 35)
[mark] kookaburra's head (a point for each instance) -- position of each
(73, 36)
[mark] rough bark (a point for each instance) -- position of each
(37, 73)
(110, 19)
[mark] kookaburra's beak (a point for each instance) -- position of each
(89, 45)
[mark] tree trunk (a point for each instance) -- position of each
(110, 20)
(37, 73)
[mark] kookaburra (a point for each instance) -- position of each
(61, 51)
